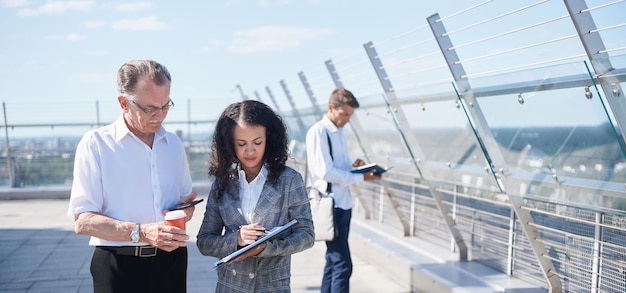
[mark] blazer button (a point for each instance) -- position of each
(251, 275)
(234, 272)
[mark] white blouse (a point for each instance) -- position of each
(250, 193)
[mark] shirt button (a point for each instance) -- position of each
(251, 275)
(234, 272)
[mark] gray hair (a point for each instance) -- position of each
(132, 71)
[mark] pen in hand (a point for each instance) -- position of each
(270, 231)
(248, 234)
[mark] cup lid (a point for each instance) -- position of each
(172, 215)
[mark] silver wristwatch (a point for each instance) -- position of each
(134, 235)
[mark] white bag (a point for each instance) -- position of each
(322, 207)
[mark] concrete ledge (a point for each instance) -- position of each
(421, 266)
(63, 192)
(44, 192)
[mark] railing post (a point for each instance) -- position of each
(334, 75)
(413, 206)
(597, 54)
(381, 206)
(511, 243)
(258, 97)
(454, 215)
(411, 144)
(188, 131)
(242, 96)
(97, 114)
(294, 109)
(309, 92)
(269, 93)
(494, 155)
(6, 135)
(355, 125)
(597, 254)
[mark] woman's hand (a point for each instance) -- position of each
(251, 252)
(249, 233)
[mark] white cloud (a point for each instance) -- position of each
(211, 47)
(32, 64)
(57, 7)
(91, 77)
(96, 53)
(145, 23)
(268, 3)
(138, 6)
(57, 63)
(273, 38)
(94, 24)
(16, 3)
(75, 37)
(68, 37)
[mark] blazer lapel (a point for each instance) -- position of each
(233, 206)
(268, 199)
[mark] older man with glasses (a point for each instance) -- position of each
(126, 176)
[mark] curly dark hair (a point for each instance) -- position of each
(223, 162)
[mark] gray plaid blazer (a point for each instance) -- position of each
(270, 271)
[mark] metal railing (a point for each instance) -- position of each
(515, 152)
(506, 146)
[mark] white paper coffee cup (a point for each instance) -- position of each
(175, 218)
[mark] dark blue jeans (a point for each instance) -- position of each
(338, 267)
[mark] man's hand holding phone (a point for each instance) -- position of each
(187, 204)
(184, 205)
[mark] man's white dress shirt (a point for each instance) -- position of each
(336, 170)
(119, 176)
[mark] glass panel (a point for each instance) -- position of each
(297, 143)
(44, 155)
(443, 133)
(446, 139)
(309, 117)
(294, 129)
(551, 121)
(379, 135)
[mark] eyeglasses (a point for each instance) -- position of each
(150, 110)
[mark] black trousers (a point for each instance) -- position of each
(165, 272)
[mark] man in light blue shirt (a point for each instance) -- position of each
(329, 164)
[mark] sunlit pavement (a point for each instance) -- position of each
(39, 252)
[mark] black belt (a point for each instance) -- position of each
(140, 251)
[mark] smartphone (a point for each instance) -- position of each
(187, 204)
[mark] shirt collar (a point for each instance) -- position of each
(121, 131)
(329, 125)
(261, 176)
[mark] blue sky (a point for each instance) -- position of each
(67, 52)
(58, 57)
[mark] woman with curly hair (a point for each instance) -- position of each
(253, 191)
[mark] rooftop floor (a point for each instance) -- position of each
(39, 252)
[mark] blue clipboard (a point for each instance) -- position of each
(269, 236)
